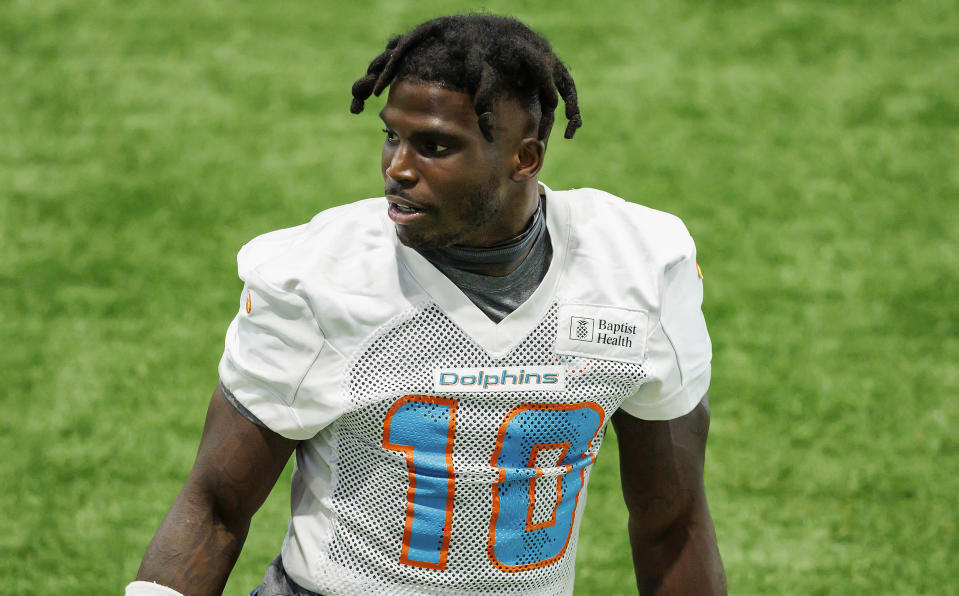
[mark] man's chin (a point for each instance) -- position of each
(412, 239)
(420, 242)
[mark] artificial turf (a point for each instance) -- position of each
(811, 148)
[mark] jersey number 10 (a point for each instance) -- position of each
(423, 428)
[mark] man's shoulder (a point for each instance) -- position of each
(596, 216)
(333, 235)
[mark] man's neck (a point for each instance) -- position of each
(500, 259)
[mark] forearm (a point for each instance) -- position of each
(200, 539)
(685, 560)
(195, 549)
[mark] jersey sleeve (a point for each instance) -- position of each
(270, 347)
(678, 348)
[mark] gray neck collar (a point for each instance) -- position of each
(478, 259)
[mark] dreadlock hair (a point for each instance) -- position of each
(483, 55)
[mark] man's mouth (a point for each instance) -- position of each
(405, 209)
(402, 212)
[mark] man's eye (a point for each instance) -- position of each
(391, 136)
(432, 148)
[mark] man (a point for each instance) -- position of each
(444, 362)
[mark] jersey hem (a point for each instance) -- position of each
(264, 414)
(678, 404)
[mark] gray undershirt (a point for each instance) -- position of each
(498, 296)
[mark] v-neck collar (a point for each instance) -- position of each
(498, 339)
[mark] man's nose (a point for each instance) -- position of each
(401, 167)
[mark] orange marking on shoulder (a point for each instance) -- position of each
(699, 271)
(249, 302)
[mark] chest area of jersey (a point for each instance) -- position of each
(427, 354)
(478, 461)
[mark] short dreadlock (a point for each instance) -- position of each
(484, 56)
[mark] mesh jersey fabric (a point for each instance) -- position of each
(407, 482)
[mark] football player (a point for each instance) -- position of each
(444, 361)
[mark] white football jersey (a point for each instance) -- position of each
(444, 453)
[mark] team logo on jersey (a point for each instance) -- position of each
(499, 379)
(581, 328)
(606, 332)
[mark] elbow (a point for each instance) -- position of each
(661, 535)
(680, 557)
(657, 546)
(217, 508)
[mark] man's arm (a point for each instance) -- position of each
(670, 529)
(200, 539)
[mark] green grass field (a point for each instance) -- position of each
(811, 147)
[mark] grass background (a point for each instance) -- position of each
(811, 147)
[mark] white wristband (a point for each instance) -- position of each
(149, 589)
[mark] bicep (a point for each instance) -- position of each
(237, 462)
(661, 464)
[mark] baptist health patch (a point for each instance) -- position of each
(606, 332)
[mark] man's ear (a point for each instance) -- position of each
(528, 159)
